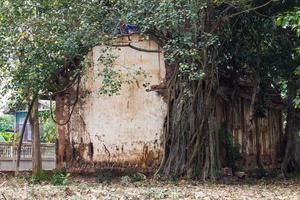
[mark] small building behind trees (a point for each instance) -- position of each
(19, 117)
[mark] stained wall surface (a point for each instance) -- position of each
(126, 128)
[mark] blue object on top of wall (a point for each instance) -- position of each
(125, 29)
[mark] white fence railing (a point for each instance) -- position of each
(8, 156)
(9, 150)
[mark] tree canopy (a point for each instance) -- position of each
(43, 43)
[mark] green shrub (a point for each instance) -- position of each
(41, 176)
(48, 133)
(59, 177)
(8, 136)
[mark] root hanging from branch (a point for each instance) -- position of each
(73, 105)
(191, 146)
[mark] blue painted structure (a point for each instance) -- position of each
(19, 120)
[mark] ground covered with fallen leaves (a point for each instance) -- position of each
(124, 188)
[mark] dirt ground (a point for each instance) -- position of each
(124, 188)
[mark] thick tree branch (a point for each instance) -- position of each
(250, 9)
(74, 104)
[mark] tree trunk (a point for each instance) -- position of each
(258, 145)
(291, 160)
(191, 143)
(63, 146)
(191, 132)
(36, 144)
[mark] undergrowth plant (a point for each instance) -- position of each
(57, 178)
(60, 178)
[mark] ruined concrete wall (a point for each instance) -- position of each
(121, 130)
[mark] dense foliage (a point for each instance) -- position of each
(48, 128)
(6, 123)
(291, 20)
(43, 42)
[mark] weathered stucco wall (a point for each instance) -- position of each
(123, 129)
